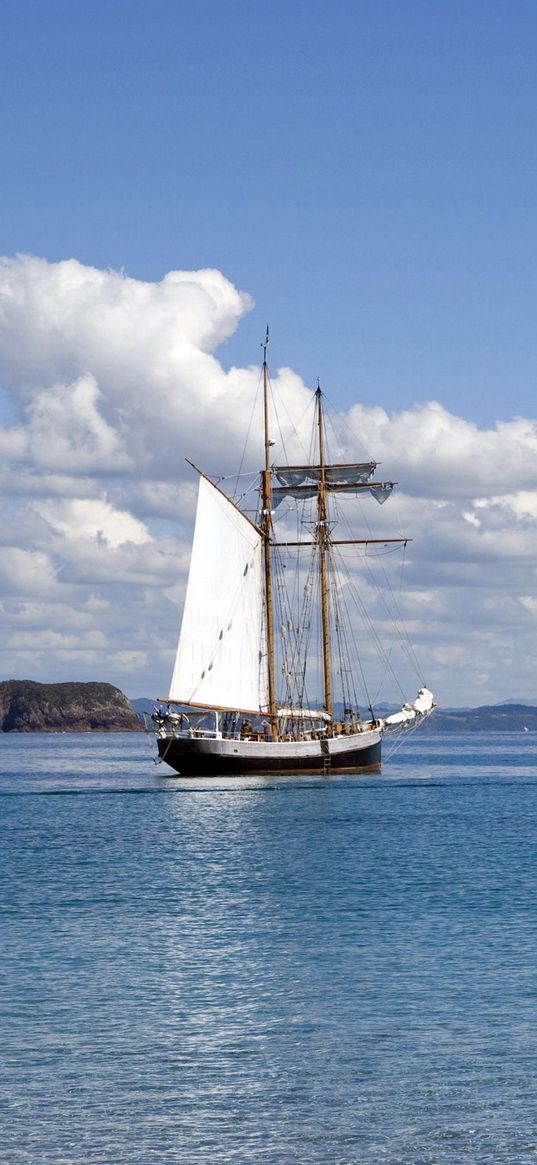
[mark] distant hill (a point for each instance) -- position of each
(26, 706)
(508, 717)
(143, 707)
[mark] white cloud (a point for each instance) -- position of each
(439, 455)
(93, 520)
(131, 661)
(113, 381)
(66, 431)
(25, 572)
(108, 369)
(46, 639)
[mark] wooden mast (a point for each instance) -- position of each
(267, 531)
(323, 539)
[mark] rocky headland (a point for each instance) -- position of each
(26, 706)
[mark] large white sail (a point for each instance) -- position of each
(222, 658)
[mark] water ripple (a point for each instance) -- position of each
(340, 974)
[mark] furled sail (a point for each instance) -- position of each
(422, 706)
(292, 476)
(221, 658)
(302, 481)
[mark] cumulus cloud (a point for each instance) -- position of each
(112, 381)
(443, 456)
(96, 521)
(67, 432)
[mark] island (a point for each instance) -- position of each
(27, 706)
(510, 716)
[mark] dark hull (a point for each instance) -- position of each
(192, 758)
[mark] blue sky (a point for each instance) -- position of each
(366, 171)
(367, 174)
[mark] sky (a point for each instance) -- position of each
(362, 176)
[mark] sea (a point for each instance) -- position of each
(339, 971)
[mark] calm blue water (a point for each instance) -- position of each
(339, 972)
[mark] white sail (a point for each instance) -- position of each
(222, 658)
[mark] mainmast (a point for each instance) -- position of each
(267, 530)
(323, 540)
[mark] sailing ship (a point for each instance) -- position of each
(239, 702)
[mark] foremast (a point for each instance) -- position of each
(323, 542)
(266, 492)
